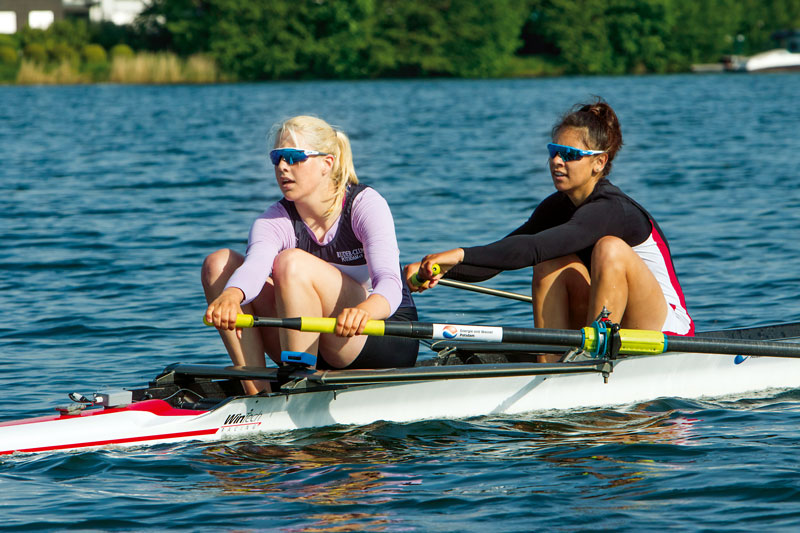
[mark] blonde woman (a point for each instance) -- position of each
(327, 248)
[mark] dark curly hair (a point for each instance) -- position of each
(601, 125)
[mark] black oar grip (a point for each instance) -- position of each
(733, 347)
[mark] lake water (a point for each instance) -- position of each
(112, 196)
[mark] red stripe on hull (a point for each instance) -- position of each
(156, 407)
(129, 440)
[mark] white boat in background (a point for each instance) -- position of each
(772, 60)
(465, 379)
(787, 57)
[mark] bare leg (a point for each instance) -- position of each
(308, 286)
(560, 293)
(249, 350)
(625, 286)
(560, 296)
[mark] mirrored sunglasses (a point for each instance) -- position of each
(570, 153)
(291, 155)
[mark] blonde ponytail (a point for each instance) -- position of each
(343, 172)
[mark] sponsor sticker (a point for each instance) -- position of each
(472, 333)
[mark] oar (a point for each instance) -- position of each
(787, 330)
(593, 338)
(485, 290)
(388, 375)
(416, 280)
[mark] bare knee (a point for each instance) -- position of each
(288, 266)
(610, 254)
(218, 265)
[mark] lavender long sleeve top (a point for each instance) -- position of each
(373, 225)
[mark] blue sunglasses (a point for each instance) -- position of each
(291, 155)
(570, 153)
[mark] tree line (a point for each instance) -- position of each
(332, 39)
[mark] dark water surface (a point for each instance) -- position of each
(112, 196)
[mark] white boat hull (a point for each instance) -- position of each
(634, 379)
(778, 59)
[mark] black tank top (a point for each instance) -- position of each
(345, 248)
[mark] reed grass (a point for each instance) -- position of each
(201, 69)
(64, 73)
(161, 68)
(143, 68)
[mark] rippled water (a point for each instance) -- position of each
(112, 196)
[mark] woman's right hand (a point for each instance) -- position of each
(222, 312)
(410, 272)
(425, 268)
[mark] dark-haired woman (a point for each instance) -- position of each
(590, 244)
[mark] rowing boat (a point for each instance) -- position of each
(465, 378)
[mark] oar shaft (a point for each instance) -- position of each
(485, 290)
(732, 347)
(418, 373)
(417, 281)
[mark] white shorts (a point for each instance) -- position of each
(677, 322)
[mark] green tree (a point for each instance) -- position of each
(408, 39)
(8, 55)
(482, 36)
(639, 35)
(94, 54)
(182, 25)
(269, 39)
(121, 50)
(620, 36)
(60, 52)
(8, 40)
(577, 32)
(285, 39)
(341, 36)
(262, 40)
(35, 52)
(704, 31)
(765, 18)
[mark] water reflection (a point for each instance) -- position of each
(617, 448)
(346, 522)
(374, 464)
(633, 426)
(331, 471)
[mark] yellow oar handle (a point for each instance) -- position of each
(311, 324)
(642, 342)
(242, 321)
(415, 281)
(328, 325)
(633, 341)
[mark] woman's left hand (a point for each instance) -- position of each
(351, 321)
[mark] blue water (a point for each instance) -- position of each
(110, 197)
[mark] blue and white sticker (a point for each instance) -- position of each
(739, 359)
(473, 333)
